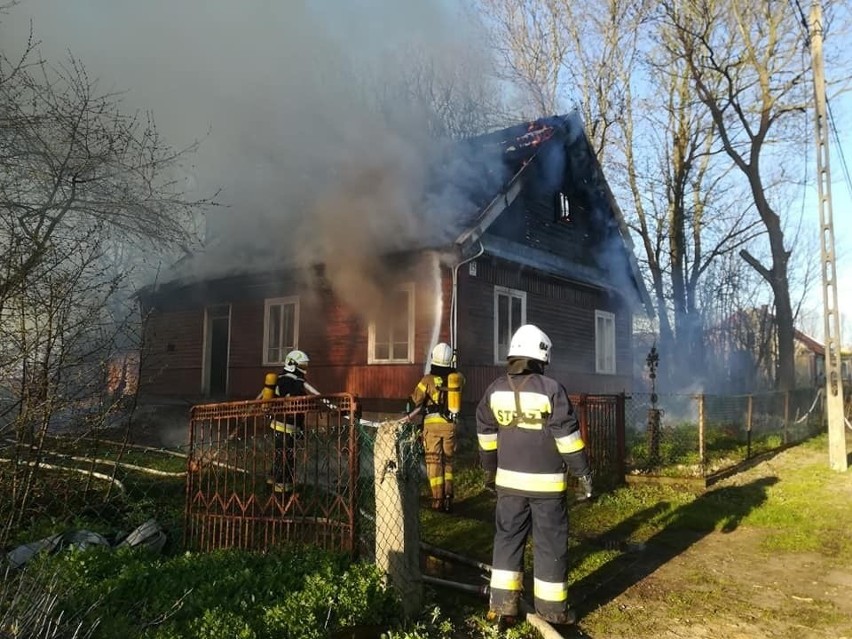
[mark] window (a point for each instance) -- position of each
(391, 336)
(510, 313)
(604, 343)
(280, 329)
(563, 207)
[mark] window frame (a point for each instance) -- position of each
(282, 301)
(407, 288)
(610, 338)
(563, 207)
(510, 293)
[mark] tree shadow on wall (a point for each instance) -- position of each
(722, 509)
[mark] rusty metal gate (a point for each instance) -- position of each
(602, 426)
(262, 473)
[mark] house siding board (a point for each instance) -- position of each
(334, 335)
(171, 360)
(564, 310)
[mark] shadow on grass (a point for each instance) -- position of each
(722, 508)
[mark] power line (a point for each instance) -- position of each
(803, 22)
(842, 155)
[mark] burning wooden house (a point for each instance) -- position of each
(539, 240)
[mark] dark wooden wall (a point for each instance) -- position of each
(562, 309)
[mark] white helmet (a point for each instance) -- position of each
(296, 359)
(532, 342)
(442, 355)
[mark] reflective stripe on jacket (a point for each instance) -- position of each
(529, 435)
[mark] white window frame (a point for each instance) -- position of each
(564, 205)
(371, 333)
(279, 301)
(510, 293)
(605, 355)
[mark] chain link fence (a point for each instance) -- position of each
(699, 435)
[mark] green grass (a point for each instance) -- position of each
(804, 509)
(63, 500)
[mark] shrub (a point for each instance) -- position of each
(303, 593)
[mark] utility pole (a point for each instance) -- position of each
(833, 382)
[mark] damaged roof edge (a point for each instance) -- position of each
(499, 204)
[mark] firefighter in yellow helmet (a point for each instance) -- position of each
(438, 396)
(528, 436)
(290, 382)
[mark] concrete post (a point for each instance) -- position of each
(397, 519)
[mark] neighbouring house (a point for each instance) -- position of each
(746, 350)
(543, 243)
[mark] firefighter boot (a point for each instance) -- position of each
(503, 610)
(448, 504)
(503, 622)
(566, 618)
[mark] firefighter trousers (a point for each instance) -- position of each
(439, 444)
(516, 517)
(284, 462)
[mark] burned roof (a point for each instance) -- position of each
(468, 184)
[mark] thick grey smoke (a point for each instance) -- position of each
(304, 107)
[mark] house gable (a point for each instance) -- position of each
(551, 163)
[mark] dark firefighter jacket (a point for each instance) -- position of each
(528, 434)
(290, 385)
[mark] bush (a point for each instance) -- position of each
(299, 593)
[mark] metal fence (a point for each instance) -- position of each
(266, 472)
(699, 435)
(602, 421)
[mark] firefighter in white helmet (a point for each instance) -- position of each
(438, 396)
(290, 382)
(528, 435)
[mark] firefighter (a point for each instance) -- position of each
(528, 435)
(438, 396)
(289, 383)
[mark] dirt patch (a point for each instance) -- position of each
(723, 584)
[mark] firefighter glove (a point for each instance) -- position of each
(490, 481)
(586, 486)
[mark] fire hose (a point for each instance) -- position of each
(536, 621)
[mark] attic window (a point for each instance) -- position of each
(563, 208)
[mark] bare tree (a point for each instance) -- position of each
(655, 139)
(70, 156)
(81, 182)
(744, 58)
(451, 98)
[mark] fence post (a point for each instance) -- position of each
(702, 458)
(397, 534)
(620, 426)
(786, 416)
(749, 413)
(584, 416)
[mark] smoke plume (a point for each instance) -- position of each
(310, 113)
